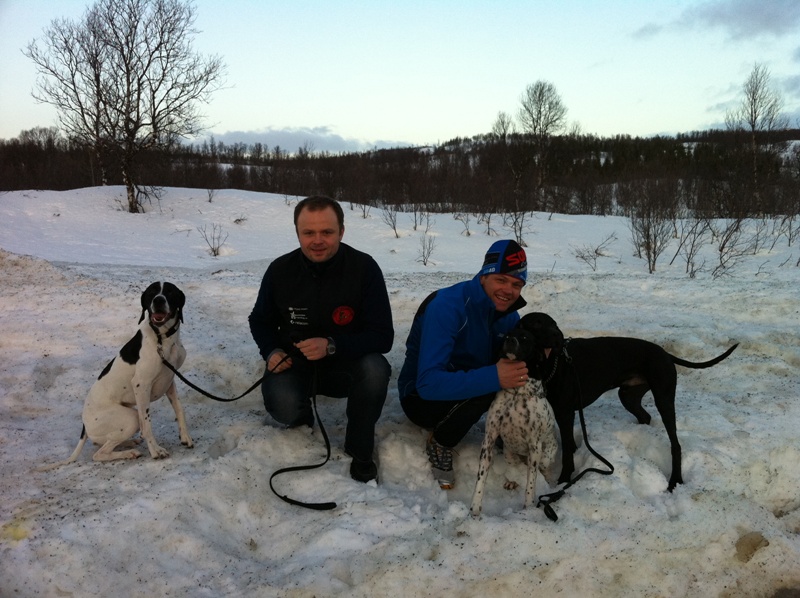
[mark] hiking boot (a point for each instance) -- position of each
(441, 458)
(363, 471)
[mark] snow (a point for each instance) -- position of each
(204, 522)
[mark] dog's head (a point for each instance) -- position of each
(534, 333)
(163, 301)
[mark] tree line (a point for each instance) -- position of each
(714, 173)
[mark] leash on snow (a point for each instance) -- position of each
(545, 500)
(317, 506)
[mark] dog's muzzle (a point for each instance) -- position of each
(159, 310)
(511, 347)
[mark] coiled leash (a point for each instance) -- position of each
(318, 506)
(545, 500)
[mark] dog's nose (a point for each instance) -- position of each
(159, 302)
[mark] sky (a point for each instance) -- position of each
(352, 75)
(204, 522)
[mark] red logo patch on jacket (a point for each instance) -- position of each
(343, 315)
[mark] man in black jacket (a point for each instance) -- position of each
(324, 307)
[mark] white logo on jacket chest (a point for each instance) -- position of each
(298, 316)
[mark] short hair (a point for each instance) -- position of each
(315, 203)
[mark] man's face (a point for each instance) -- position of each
(319, 234)
(502, 289)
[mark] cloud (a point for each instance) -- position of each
(315, 139)
(744, 19)
(648, 31)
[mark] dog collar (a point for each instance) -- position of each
(167, 334)
(567, 358)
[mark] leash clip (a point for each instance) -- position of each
(567, 356)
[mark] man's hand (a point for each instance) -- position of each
(278, 362)
(313, 348)
(512, 373)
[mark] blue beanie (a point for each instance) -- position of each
(506, 257)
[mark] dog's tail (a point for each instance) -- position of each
(704, 364)
(72, 457)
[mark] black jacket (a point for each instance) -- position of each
(344, 298)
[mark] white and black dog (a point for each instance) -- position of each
(118, 404)
(523, 418)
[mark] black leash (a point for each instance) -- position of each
(318, 506)
(546, 500)
(175, 371)
(208, 394)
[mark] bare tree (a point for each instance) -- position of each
(759, 115)
(589, 253)
(427, 240)
(427, 245)
(515, 220)
(213, 238)
(125, 78)
(486, 218)
(464, 218)
(693, 233)
(651, 212)
(542, 114)
(389, 216)
(503, 125)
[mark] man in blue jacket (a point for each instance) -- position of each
(453, 369)
(323, 312)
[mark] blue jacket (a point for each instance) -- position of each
(454, 344)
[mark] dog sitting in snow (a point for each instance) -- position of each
(118, 404)
(523, 418)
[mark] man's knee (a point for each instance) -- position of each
(286, 401)
(374, 371)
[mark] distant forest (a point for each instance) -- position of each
(713, 174)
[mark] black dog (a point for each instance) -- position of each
(577, 371)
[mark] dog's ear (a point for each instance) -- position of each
(149, 293)
(554, 338)
(147, 298)
(544, 328)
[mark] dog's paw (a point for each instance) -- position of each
(510, 485)
(157, 452)
(187, 441)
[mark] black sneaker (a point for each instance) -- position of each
(363, 471)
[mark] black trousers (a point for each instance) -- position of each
(364, 381)
(449, 420)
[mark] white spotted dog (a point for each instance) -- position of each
(118, 404)
(523, 418)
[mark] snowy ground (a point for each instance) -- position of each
(205, 523)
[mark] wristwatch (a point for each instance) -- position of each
(331, 346)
